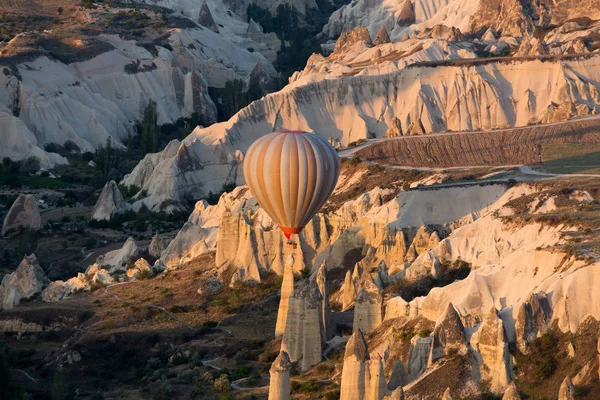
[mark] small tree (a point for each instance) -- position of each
(60, 10)
(149, 132)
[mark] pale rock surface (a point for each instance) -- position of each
(377, 385)
(449, 332)
(99, 275)
(287, 288)
(368, 308)
(279, 386)
(26, 281)
(447, 395)
(397, 378)
(59, 290)
(492, 344)
(511, 393)
(110, 202)
(303, 338)
(117, 260)
(156, 247)
(567, 390)
(206, 19)
(409, 94)
(322, 282)
(348, 292)
(418, 356)
(350, 38)
(139, 267)
(24, 213)
(395, 128)
(382, 36)
(356, 369)
(158, 267)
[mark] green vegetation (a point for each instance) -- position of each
(540, 362)
(142, 221)
(233, 98)
(560, 158)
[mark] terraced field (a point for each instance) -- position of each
(495, 148)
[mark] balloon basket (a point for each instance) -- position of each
(290, 244)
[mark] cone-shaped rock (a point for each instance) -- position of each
(449, 332)
(348, 292)
(511, 393)
(382, 36)
(447, 395)
(157, 246)
(109, 203)
(407, 14)
(24, 213)
(279, 386)
(27, 280)
(355, 372)
(492, 344)
(206, 19)
(395, 128)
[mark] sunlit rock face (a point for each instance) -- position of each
(26, 281)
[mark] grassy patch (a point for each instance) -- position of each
(571, 158)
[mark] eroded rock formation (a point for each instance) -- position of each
(303, 337)
(279, 385)
(110, 202)
(23, 214)
(368, 307)
(492, 345)
(25, 282)
(567, 390)
(511, 393)
(533, 317)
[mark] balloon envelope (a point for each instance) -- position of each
(291, 174)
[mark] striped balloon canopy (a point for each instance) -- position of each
(291, 174)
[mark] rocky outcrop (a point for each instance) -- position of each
(23, 214)
(279, 385)
(382, 36)
(303, 337)
(533, 318)
(506, 16)
(418, 356)
(350, 38)
(447, 395)
(406, 16)
(110, 202)
(25, 282)
(99, 276)
(567, 390)
(356, 369)
(287, 288)
(377, 385)
(117, 260)
(328, 327)
(206, 19)
(156, 247)
(59, 290)
(395, 128)
(492, 345)
(348, 292)
(420, 108)
(511, 393)
(139, 268)
(368, 308)
(449, 333)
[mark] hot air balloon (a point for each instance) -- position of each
(291, 174)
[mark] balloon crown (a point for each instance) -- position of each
(290, 132)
